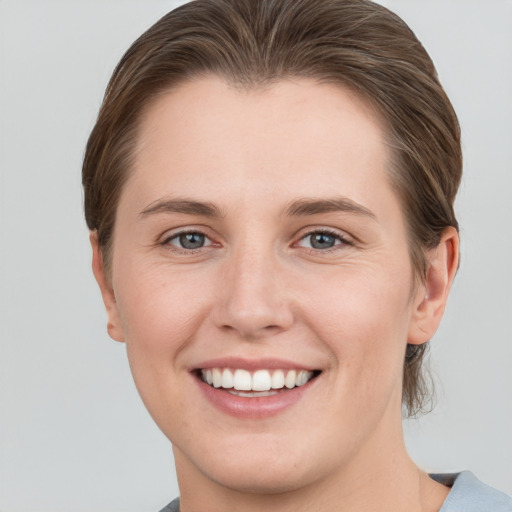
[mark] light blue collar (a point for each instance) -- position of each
(469, 494)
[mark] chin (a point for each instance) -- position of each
(279, 480)
(263, 470)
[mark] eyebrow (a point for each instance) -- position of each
(313, 206)
(185, 206)
(299, 207)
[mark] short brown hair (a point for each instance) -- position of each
(254, 43)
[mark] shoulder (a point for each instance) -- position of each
(174, 506)
(469, 494)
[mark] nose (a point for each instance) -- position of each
(252, 300)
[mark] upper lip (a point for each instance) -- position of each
(266, 363)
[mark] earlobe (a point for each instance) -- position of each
(430, 301)
(114, 328)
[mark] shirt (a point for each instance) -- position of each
(468, 494)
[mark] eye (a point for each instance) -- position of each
(322, 240)
(189, 240)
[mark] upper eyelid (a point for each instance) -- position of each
(341, 234)
(329, 231)
(176, 235)
(341, 239)
(169, 234)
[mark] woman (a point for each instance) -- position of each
(269, 188)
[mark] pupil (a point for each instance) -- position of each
(322, 241)
(192, 240)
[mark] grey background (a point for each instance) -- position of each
(74, 436)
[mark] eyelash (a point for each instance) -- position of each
(166, 242)
(344, 241)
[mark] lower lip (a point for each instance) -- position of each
(253, 407)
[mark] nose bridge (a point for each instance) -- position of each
(253, 301)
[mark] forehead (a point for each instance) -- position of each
(294, 138)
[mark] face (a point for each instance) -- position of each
(262, 283)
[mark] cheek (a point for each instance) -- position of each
(160, 311)
(363, 318)
(159, 305)
(364, 305)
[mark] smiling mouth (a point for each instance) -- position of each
(259, 383)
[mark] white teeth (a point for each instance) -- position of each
(253, 393)
(289, 381)
(227, 379)
(278, 379)
(217, 378)
(242, 380)
(302, 378)
(260, 382)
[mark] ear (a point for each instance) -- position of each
(114, 328)
(431, 296)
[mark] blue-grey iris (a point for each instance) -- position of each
(192, 240)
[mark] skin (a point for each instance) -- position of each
(259, 289)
